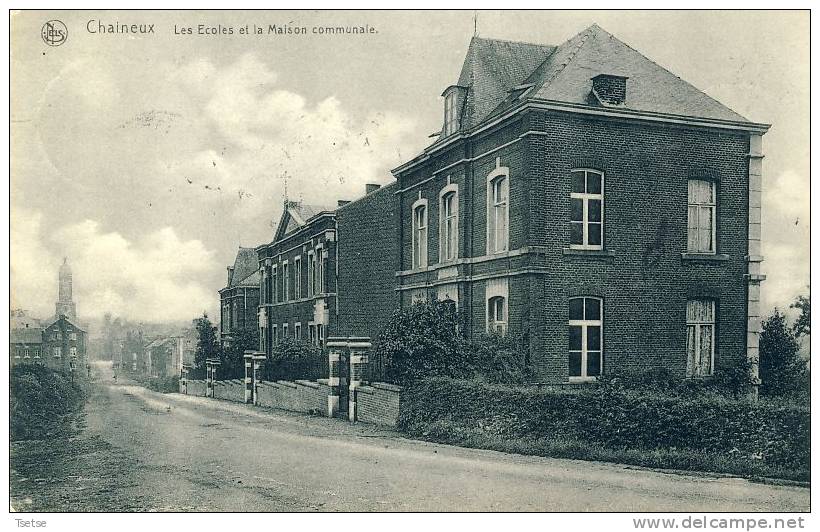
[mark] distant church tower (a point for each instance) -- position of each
(65, 304)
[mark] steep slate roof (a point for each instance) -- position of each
(52, 321)
(26, 335)
(245, 266)
(565, 76)
(296, 215)
(491, 68)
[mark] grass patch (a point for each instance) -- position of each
(677, 459)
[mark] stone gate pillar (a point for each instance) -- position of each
(359, 348)
(258, 361)
(248, 357)
(335, 345)
(211, 365)
(183, 380)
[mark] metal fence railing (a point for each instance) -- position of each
(309, 367)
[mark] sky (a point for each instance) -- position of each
(147, 159)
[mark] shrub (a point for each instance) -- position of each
(734, 381)
(423, 340)
(774, 434)
(782, 370)
(499, 359)
(44, 403)
(159, 384)
(292, 360)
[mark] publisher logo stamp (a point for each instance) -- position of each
(54, 33)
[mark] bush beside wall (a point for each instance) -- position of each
(773, 435)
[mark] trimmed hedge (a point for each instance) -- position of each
(777, 435)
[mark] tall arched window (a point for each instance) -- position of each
(587, 209)
(498, 189)
(497, 315)
(448, 223)
(585, 337)
(420, 234)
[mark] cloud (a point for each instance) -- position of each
(786, 226)
(151, 186)
(156, 278)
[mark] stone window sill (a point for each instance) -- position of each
(705, 257)
(582, 380)
(575, 252)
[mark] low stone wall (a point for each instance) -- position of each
(378, 403)
(230, 390)
(299, 396)
(195, 387)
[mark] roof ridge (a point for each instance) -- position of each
(611, 36)
(573, 52)
(528, 43)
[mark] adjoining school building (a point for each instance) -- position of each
(579, 197)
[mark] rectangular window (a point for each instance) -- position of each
(420, 236)
(450, 114)
(275, 285)
(497, 234)
(700, 337)
(311, 274)
(449, 227)
(285, 281)
(320, 333)
(284, 330)
(274, 334)
(297, 278)
(320, 272)
(297, 332)
(586, 213)
(585, 337)
(312, 333)
(701, 217)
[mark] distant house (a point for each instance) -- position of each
(64, 345)
(26, 345)
(240, 297)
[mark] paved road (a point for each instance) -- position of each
(200, 454)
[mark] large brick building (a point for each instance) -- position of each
(579, 197)
(298, 276)
(240, 297)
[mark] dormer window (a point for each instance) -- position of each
(452, 122)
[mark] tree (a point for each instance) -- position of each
(802, 327)
(781, 369)
(207, 346)
(233, 365)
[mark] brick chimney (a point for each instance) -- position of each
(230, 274)
(609, 89)
(371, 187)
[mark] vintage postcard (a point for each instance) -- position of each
(411, 261)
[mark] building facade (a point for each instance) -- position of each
(64, 345)
(239, 299)
(592, 204)
(579, 197)
(298, 277)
